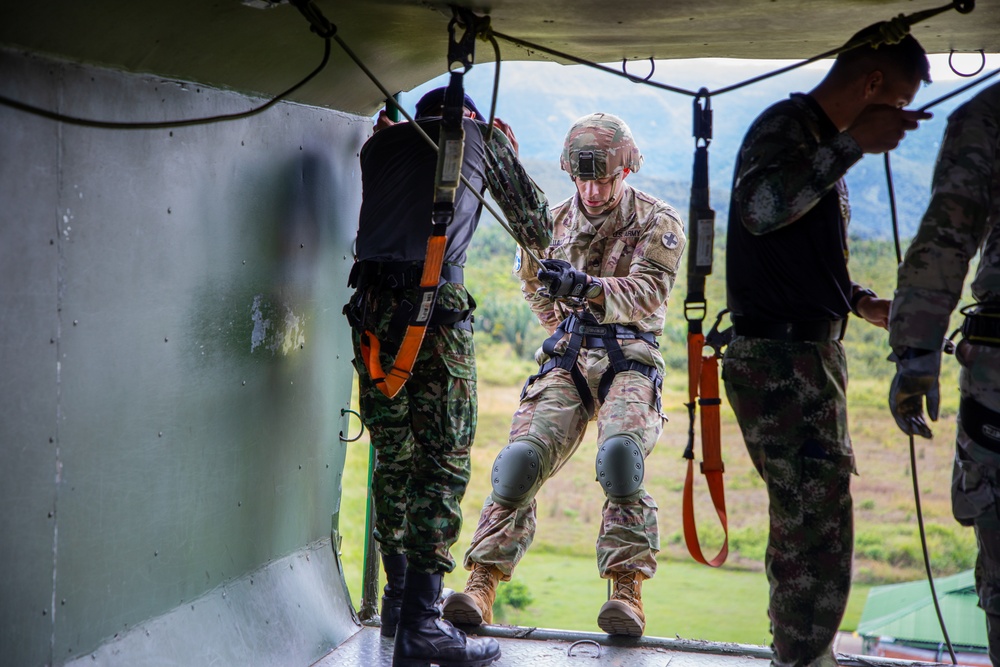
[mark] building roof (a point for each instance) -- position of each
(905, 612)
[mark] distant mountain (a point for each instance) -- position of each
(541, 101)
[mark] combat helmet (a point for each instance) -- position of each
(599, 145)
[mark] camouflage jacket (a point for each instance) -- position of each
(788, 216)
(636, 251)
(963, 216)
(521, 201)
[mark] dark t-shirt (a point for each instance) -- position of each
(397, 173)
(796, 272)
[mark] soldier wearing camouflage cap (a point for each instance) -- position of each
(606, 277)
(963, 217)
(790, 293)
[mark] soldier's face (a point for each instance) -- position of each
(895, 91)
(599, 195)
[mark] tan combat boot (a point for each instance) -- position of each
(622, 614)
(474, 606)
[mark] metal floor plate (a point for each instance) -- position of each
(552, 648)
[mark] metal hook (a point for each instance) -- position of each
(635, 79)
(982, 54)
(344, 411)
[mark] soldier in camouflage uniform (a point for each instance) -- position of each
(423, 435)
(963, 217)
(612, 262)
(790, 293)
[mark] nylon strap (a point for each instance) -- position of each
(451, 145)
(703, 373)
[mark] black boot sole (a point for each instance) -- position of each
(420, 662)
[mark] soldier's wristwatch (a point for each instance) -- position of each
(594, 289)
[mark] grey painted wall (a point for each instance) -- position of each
(173, 364)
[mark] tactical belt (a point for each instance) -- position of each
(588, 333)
(806, 332)
(398, 275)
(982, 324)
(980, 423)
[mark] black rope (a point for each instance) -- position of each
(892, 208)
(923, 546)
(162, 125)
(960, 90)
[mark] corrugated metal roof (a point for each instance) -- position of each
(906, 612)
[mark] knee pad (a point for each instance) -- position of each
(620, 466)
(517, 473)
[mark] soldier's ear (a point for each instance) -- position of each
(873, 83)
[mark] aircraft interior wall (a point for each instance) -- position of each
(174, 369)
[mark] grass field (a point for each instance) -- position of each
(685, 599)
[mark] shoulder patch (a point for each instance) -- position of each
(517, 259)
(665, 244)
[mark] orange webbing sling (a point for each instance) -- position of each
(703, 375)
(402, 366)
(451, 146)
(703, 380)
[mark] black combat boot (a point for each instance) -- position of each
(423, 637)
(395, 575)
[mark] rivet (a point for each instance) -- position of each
(244, 383)
(160, 434)
(164, 340)
(75, 322)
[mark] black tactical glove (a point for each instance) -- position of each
(561, 279)
(916, 380)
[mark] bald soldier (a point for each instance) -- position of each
(602, 295)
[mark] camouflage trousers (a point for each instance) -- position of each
(791, 405)
(422, 437)
(976, 484)
(552, 417)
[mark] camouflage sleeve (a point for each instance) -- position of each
(930, 279)
(526, 269)
(652, 271)
(784, 171)
(523, 203)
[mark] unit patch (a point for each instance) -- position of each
(670, 240)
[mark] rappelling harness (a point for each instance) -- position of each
(981, 327)
(586, 332)
(403, 275)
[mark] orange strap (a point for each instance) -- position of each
(402, 366)
(703, 379)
